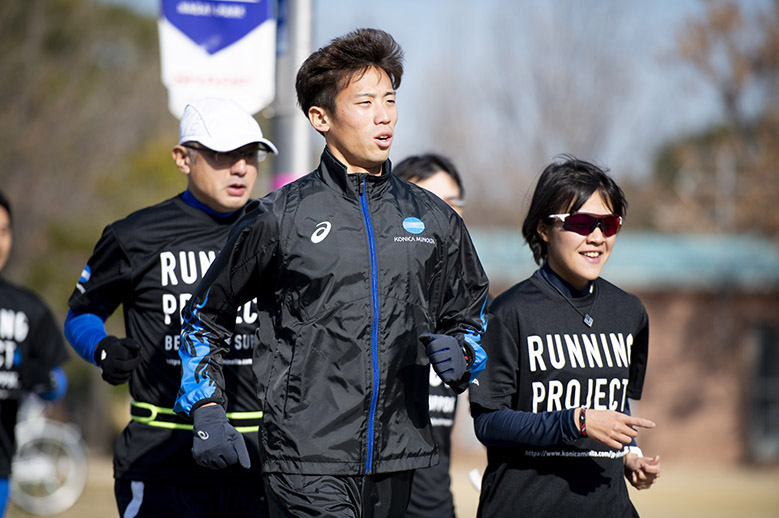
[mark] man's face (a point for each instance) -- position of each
(360, 131)
(222, 181)
(6, 237)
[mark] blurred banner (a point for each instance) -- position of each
(220, 48)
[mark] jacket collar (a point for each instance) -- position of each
(334, 174)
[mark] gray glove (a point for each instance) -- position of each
(216, 444)
(446, 356)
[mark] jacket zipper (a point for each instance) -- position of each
(374, 327)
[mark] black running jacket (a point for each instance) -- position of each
(352, 269)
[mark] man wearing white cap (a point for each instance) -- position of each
(150, 262)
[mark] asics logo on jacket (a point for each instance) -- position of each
(322, 229)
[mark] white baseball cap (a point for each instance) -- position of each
(221, 125)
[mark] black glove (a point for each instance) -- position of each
(446, 356)
(216, 443)
(118, 357)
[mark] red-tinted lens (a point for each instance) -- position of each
(584, 224)
(610, 224)
(580, 223)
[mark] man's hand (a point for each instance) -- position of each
(642, 472)
(614, 429)
(216, 444)
(118, 357)
(446, 356)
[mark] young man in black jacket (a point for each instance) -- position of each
(367, 280)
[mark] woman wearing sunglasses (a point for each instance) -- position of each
(566, 350)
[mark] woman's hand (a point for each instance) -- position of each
(642, 472)
(614, 429)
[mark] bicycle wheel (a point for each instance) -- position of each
(49, 470)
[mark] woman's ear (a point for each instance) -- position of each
(543, 230)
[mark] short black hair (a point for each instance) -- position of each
(564, 186)
(4, 203)
(421, 167)
(328, 70)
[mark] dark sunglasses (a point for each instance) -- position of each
(585, 224)
(251, 155)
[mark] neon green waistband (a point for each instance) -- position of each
(153, 415)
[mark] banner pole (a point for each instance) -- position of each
(291, 130)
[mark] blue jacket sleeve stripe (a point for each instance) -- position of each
(84, 331)
(195, 382)
(474, 340)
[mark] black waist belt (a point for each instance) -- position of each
(152, 415)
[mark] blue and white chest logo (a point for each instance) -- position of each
(86, 273)
(413, 225)
(322, 229)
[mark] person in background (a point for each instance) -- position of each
(149, 262)
(431, 494)
(437, 174)
(567, 349)
(31, 353)
(368, 279)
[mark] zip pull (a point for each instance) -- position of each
(362, 187)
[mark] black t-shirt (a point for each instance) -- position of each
(150, 263)
(543, 357)
(430, 491)
(30, 346)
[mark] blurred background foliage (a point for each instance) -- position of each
(85, 139)
(86, 135)
(726, 178)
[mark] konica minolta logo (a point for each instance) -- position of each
(413, 225)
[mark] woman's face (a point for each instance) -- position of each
(443, 185)
(578, 259)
